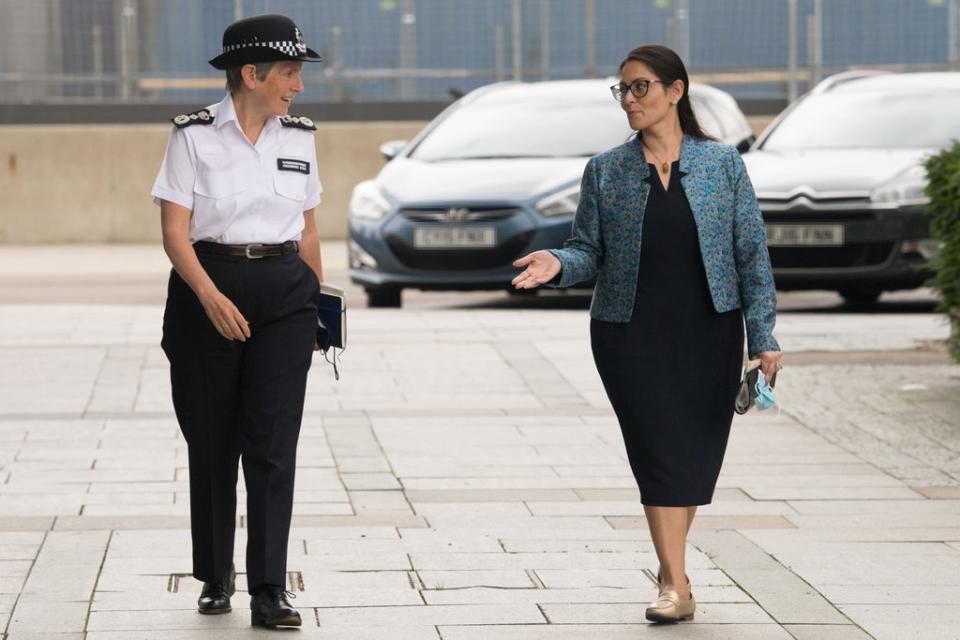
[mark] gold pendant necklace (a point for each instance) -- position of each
(664, 165)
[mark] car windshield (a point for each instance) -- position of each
(525, 130)
(869, 120)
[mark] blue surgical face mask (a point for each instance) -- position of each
(765, 398)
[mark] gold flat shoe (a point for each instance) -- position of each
(670, 608)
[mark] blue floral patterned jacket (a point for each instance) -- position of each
(607, 229)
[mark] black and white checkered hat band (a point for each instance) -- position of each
(286, 47)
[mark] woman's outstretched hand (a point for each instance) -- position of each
(541, 268)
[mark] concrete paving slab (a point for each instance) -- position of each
(893, 594)
(40, 615)
(7, 600)
(608, 631)
(707, 613)
(325, 633)
(827, 632)
(27, 635)
(432, 615)
(433, 544)
(514, 579)
(564, 546)
(165, 620)
(713, 522)
(490, 495)
(886, 622)
(939, 493)
(640, 595)
(623, 578)
(538, 561)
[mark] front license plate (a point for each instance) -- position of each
(454, 237)
(804, 235)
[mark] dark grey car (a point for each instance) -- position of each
(492, 178)
(840, 182)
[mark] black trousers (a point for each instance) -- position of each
(242, 401)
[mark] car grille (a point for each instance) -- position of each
(457, 214)
(848, 256)
(813, 217)
(851, 255)
(501, 255)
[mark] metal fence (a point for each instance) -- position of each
(142, 51)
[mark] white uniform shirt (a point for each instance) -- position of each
(240, 193)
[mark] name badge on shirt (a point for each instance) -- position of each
(290, 164)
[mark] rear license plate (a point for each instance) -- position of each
(804, 235)
(454, 237)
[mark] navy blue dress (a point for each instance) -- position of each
(672, 372)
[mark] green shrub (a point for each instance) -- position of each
(943, 171)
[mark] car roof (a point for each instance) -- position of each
(568, 90)
(901, 83)
(548, 90)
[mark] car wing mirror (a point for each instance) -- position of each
(390, 149)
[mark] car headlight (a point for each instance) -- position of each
(368, 202)
(359, 258)
(561, 203)
(905, 188)
(925, 248)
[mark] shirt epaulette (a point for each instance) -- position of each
(298, 122)
(203, 116)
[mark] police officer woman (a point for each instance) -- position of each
(237, 191)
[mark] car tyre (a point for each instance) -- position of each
(860, 297)
(384, 297)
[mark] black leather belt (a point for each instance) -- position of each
(250, 251)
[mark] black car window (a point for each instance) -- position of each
(525, 130)
(869, 120)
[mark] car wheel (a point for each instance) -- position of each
(384, 297)
(860, 297)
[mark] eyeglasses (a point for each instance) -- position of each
(638, 88)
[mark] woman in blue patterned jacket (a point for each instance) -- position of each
(669, 226)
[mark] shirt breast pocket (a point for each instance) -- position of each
(291, 184)
(216, 179)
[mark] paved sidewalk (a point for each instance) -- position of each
(466, 479)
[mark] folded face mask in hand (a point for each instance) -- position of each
(764, 398)
(754, 391)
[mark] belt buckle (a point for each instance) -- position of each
(246, 251)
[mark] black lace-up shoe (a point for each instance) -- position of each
(215, 596)
(271, 608)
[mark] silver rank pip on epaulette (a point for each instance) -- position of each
(197, 117)
(298, 122)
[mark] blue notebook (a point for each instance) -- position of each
(332, 312)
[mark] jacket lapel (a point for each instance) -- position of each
(638, 188)
(695, 183)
